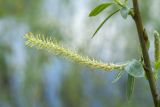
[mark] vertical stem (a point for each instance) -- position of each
(147, 65)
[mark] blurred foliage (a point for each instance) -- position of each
(71, 91)
(4, 77)
(19, 8)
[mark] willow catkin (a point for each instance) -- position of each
(41, 43)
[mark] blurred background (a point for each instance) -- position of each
(35, 78)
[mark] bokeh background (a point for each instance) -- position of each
(35, 78)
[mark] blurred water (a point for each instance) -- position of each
(52, 82)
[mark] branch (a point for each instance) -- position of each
(148, 69)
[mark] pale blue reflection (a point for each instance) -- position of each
(52, 81)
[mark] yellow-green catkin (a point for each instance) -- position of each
(41, 43)
(156, 46)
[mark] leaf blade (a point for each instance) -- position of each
(104, 22)
(130, 86)
(135, 68)
(124, 12)
(99, 9)
(118, 76)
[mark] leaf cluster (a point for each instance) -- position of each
(120, 6)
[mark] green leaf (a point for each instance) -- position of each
(124, 12)
(135, 68)
(117, 0)
(99, 9)
(118, 76)
(130, 86)
(157, 65)
(156, 70)
(126, 1)
(104, 22)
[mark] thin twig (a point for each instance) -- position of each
(148, 69)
